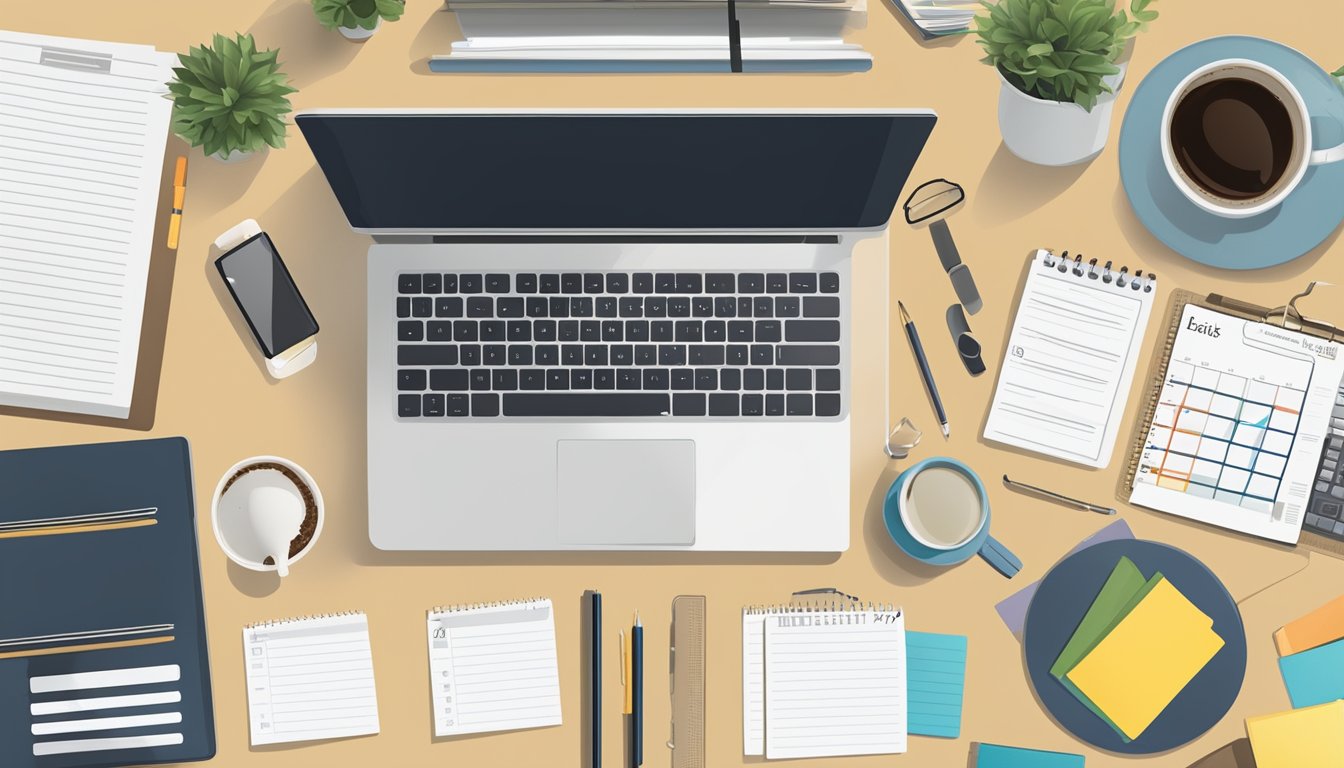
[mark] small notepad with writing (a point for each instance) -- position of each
(493, 667)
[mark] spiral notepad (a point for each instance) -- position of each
(493, 667)
(1070, 359)
(310, 678)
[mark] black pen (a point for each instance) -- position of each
(924, 371)
(637, 688)
(595, 678)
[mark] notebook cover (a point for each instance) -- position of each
(1315, 676)
(103, 579)
(1321, 626)
(1299, 738)
(998, 756)
(935, 682)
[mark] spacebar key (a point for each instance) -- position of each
(568, 404)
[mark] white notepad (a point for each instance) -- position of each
(1071, 357)
(493, 667)
(310, 679)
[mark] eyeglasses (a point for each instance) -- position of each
(929, 206)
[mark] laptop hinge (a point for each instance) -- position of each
(561, 239)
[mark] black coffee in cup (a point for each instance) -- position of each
(1233, 138)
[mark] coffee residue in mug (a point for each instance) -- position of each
(309, 525)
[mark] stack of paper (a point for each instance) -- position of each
(1301, 738)
(653, 36)
(1139, 644)
(939, 17)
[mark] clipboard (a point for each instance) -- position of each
(1286, 316)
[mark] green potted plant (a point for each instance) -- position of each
(1060, 63)
(357, 19)
(229, 98)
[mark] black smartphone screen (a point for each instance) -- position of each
(265, 292)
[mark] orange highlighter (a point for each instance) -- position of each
(179, 197)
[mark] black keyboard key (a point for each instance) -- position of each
(632, 306)
(702, 306)
(799, 405)
(751, 283)
(450, 283)
(720, 283)
(774, 405)
(590, 330)
(622, 354)
(426, 354)
(655, 306)
(439, 330)
(656, 378)
(683, 378)
(470, 283)
(767, 330)
(605, 306)
(403, 306)
(581, 378)
(480, 306)
(689, 282)
(762, 306)
(798, 379)
(740, 331)
(448, 306)
(595, 354)
(526, 283)
(557, 379)
(411, 380)
(509, 306)
(830, 283)
(581, 306)
(828, 405)
(807, 354)
(408, 406)
(716, 330)
(604, 378)
(753, 405)
(497, 283)
(448, 380)
(725, 306)
(753, 379)
(661, 330)
(531, 379)
(744, 306)
(812, 330)
(469, 354)
(688, 404)
(558, 306)
(762, 354)
(519, 330)
(637, 330)
(821, 306)
(408, 283)
(777, 282)
(628, 378)
(433, 404)
(730, 379)
(678, 306)
(722, 404)
(570, 404)
(665, 283)
(520, 354)
(689, 330)
(493, 354)
(706, 379)
(571, 282)
(618, 282)
(571, 355)
(774, 379)
(431, 282)
(706, 354)
(550, 283)
(546, 354)
(828, 380)
(646, 354)
(485, 405)
(537, 306)
(494, 330)
(457, 405)
(569, 330)
(543, 330)
(613, 330)
(643, 282)
(504, 380)
(802, 282)
(737, 354)
(592, 282)
(479, 380)
(672, 354)
(410, 330)
(786, 306)
(465, 330)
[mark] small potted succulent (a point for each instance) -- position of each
(1060, 64)
(229, 98)
(357, 19)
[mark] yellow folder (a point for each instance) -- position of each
(1312, 737)
(1147, 659)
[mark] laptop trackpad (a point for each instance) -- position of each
(626, 491)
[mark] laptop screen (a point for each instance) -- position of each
(714, 171)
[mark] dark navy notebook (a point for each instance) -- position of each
(138, 690)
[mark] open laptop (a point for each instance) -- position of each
(607, 329)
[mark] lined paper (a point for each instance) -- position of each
(1069, 364)
(935, 683)
(835, 684)
(493, 668)
(82, 132)
(753, 682)
(310, 679)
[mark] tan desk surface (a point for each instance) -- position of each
(213, 391)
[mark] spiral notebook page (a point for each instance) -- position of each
(493, 667)
(1070, 360)
(310, 679)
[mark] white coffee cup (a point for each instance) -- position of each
(234, 521)
(1301, 157)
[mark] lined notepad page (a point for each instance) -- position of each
(493, 667)
(835, 684)
(310, 679)
(82, 132)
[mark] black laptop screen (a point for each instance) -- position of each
(587, 172)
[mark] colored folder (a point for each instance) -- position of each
(1315, 676)
(998, 756)
(1321, 626)
(1300, 738)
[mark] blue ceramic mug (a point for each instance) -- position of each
(962, 527)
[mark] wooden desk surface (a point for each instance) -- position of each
(213, 391)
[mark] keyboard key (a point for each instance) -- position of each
(493, 354)
(448, 380)
(457, 405)
(569, 330)
(470, 283)
(480, 306)
(798, 378)
(802, 282)
(520, 354)
(637, 330)
(762, 354)
(828, 380)
(557, 379)
(537, 306)
(604, 378)
(485, 405)
(702, 306)
(730, 379)
(720, 283)
(439, 330)
(526, 283)
(581, 379)
(661, 330)
(740, 331)
(830, 282)
(497, 283)
(408, 283)
(519, 330)
(689, 282)
(494, 330)
(410, 379)
(768, 330)
(821, 306)
(744, 306)
(716, 330)
(753, 405)
(737, 354)
(613, 330)
(628, 378)
(434, 404)
(469, 354)
(422, 306)
(593, 282)
(777, 282)
(581, 306)
(465, 330)
(431, 282)
(665, 283)
(706, 379)
(618, 282)
(571, 355)
(558, 307)
(450, 283)
(426, 354)
(509, 306)
(605, 306)
(751, 283)
(774, 379)
(403, 306)
(722, 404)
(590, 330)
(688, 404)
(804, 354)
(678, 306)
(656, 378)
(504, 380)
(595, 354)
(799, 405)
(655, 306)
(646, 354)
(571, 283)
(448, 306)
(683, 378)
(774, 405)
(762, 306)
(532, 378)
(786, 306)
(812, 330)
(479, 380)
(408, 406)
(706, 354)
(622, 354)
(643, 282)
(569, 404)
(546, 354)
(543, 330)
(672, 354)
(725, 306)
(753, 379)
(632, 306)
(410, 330)
(689, 330)
(549, 283)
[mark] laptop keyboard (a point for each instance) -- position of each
(618, 344)
(1325, 511)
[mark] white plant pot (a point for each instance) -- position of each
(236, 156)
(1053, 132)
(359, 34)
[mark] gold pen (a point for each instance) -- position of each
(179, 198)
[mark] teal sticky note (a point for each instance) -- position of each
(997, 756)
(935, 681)
(1315, 676)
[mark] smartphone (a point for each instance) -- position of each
(267, 296)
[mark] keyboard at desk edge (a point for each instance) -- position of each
(1325, 510)
(619, 344)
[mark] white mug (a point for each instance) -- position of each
(1302, 154)
(234, 526)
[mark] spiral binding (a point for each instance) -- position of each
(299, 619)
(830, 607)
(465, 607)
(1122, 279)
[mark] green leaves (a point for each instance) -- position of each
(1059, 50)
(229, 96)
(362, 14)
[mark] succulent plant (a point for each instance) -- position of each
(362, 14)
(229, 96)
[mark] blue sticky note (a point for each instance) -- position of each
(1315, 676)
(935, 682)
(996, 756)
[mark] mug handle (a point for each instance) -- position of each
(999, 556)
(1329, 155)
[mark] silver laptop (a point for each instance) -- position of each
(611, 329)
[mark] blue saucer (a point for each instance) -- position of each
(1301, 223)
(1064, 596)
(891, 515)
